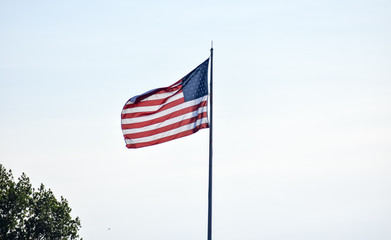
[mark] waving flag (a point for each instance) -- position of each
(165, 114)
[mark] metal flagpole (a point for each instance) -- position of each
(210, 146)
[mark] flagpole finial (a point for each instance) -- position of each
(211, 45)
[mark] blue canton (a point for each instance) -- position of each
(195, 84)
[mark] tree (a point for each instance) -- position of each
(26, 213)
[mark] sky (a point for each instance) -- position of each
(302, 115)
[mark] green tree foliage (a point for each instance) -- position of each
(26, 213)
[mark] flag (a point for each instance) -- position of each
(165, 114)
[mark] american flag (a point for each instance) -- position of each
(164, 114)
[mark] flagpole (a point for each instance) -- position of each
(210, 146)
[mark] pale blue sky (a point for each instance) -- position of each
(302, 115)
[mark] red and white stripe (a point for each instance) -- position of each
(162, 115)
